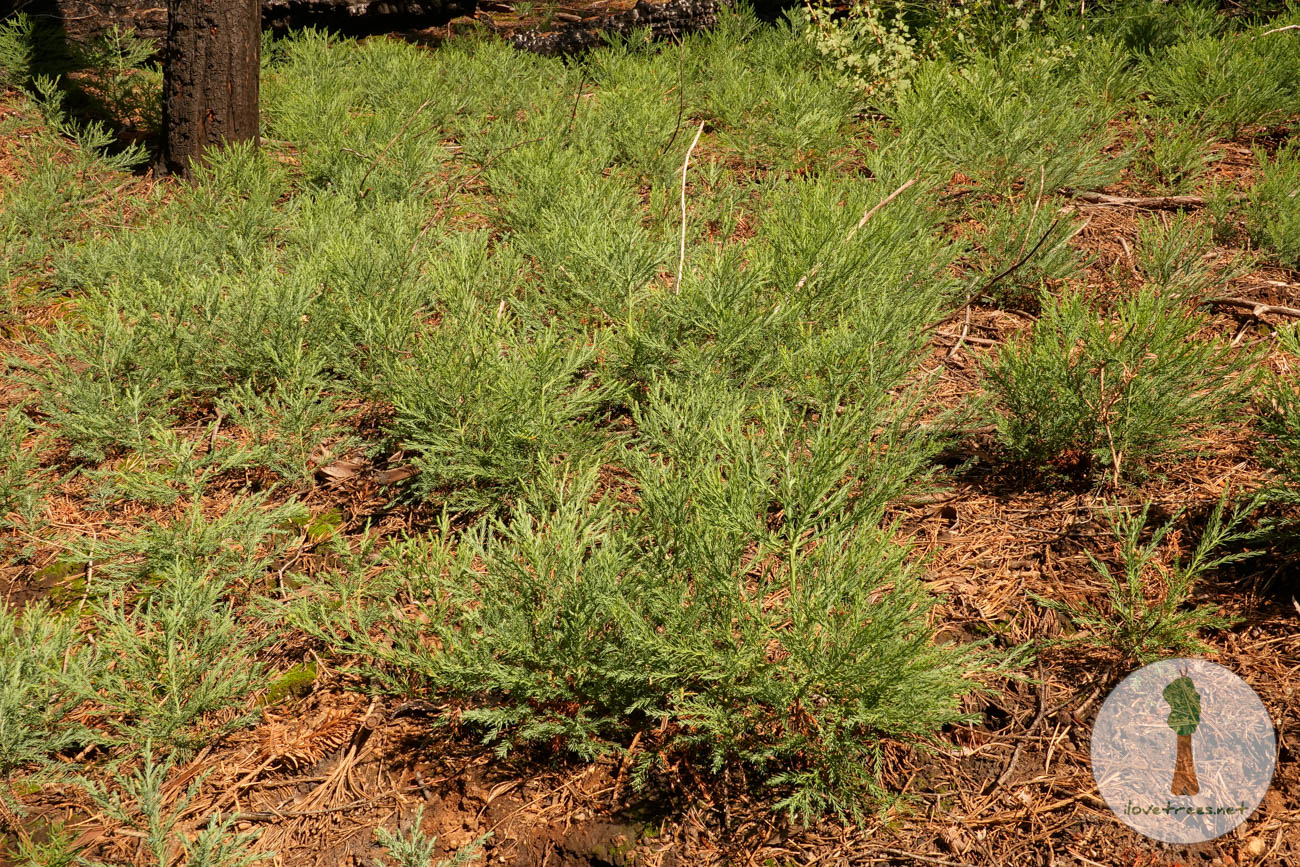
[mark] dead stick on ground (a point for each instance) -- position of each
(1087, 862)
(1278, 283)
(1115, 456)
(1280, 29)
(1242, 331)
(622, 769)
(1020, 815)
(1029, 729)
(361, 187)
(981, 341)
(273, 815)
(965, 326)
(1154, 203)
(871, 212)
(681, 259)
(965, 330)
(1128, 254)
(577, 98)
(216, 429)
(1257, 308)
(923, 859)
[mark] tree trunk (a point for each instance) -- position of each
(1185, 782)
(210, 77)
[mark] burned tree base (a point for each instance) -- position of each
(210, 79)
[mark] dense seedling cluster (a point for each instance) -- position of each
(420, 392)
(1086, 389)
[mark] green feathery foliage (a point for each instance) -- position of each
(415, 849)
(1172, 160)
(1272, 206)
(1175, 255)
(663, 496)
(1027, 115)
(162, 614)
(1280, 411)
(21, 477)
(764, 89)
(1146, 614)
(38, 648)
(138, 802)
(123, 86)
(566, 630)
(177, 655)
(1223, 83)
(1023, 251)
(1116, 393)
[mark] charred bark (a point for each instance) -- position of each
(210, 78)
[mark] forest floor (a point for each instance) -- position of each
(110, 486)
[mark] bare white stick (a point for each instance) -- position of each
(681, 258)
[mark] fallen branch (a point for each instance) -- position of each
(922, 859)
(1152, 203)
(1278, 283)
(1257, 308)
(276, 815)
(968, 338)
(1020, 747)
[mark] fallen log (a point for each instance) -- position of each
(664, 21)
(83, 20)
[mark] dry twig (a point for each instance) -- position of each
(681, 259)
(1154, 203)
(1256, 308)
(923, 859)
(1021, 261)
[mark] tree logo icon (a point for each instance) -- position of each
(1184, 716)
(1183, 750)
